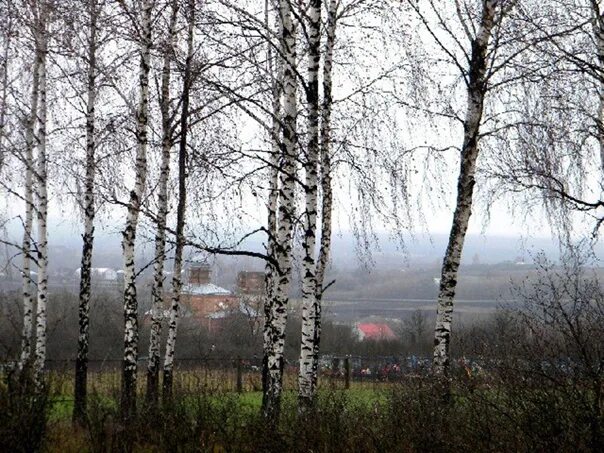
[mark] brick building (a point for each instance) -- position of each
(201, 298)
(211, 305)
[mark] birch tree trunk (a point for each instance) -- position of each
(326, 189)
(81, 364)
(476, 90)
(42, 208)
(160, 236)
(129, 234)
(28, 305)
(274, 360)
(306, 390)
(275, 68)
(180, 210)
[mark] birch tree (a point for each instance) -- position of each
(128, 400)
(41, 195)
(273, 362)
(320, 138)
(162, 202)
(476, 90)
(275, 69)
(88, 204)
(168, 371)
(478, 57)
(26, 248)
(326, 185)
(309, 264)
(492, 12)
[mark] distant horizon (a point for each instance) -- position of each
(421, 249)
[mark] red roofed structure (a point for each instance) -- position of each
(373, 331)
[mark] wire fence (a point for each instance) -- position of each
(239, 374)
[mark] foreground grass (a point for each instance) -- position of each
(410, 416)
(61, 406)
(216, 423)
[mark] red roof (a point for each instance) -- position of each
(372, 331)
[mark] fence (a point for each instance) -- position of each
(244, 374)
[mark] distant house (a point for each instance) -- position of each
(209, 303)
(374, 331)
(201, 297)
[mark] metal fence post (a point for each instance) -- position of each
(239, 375)
(347, 372)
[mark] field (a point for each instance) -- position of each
(204, 381)
(487, 413)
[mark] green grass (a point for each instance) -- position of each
(368, 417)
(61, 406)
(60, 409)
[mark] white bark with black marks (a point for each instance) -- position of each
(26, 246)
(162, 202)
(81, 366)
(326, 186)
(129, 234)
(306, 389)
(274, 360)
(42, 207)
(275, 68)
(181, 208)
(476, 91)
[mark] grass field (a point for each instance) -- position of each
(207, 415)
(228, 419)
